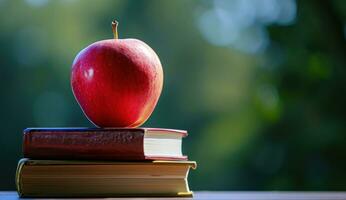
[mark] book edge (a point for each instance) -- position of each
(178, 194)
(168, 158)
(27, 161)
(82, 129)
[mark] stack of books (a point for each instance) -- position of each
(93, 162)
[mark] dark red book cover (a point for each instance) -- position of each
(91, 143)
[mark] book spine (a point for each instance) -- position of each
(18, 176)
(95, 145)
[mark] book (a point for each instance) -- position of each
(103, 144)
(58, 178)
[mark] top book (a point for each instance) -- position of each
(103, 143)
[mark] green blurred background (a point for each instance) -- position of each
(260, 85)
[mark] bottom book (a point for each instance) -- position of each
(57, 178)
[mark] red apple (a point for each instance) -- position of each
(117, 82)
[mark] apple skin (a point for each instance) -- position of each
(117, 82)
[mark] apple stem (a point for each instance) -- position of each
(114, 28)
